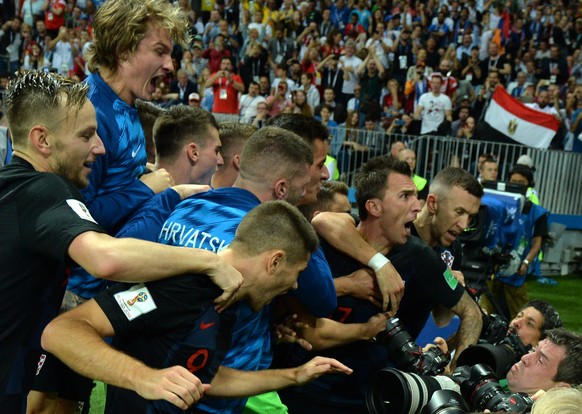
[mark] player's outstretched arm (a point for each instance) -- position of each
(75, 337)
(234, 383)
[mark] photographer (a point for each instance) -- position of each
(533, 320)
(501, 345)
(556, 362)
(226, 86)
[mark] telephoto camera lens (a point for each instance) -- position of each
(500, 357)
(395, 392)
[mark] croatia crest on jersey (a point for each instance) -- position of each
(448, 258)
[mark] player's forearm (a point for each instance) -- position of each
(471, 323)
(327, 333)
(232, 383)
(80, 347)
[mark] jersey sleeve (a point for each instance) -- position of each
(112, 209)
(147, 221)
(156, 307)
(57, 215)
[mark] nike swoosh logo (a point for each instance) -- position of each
(206, 325)
(134, 153)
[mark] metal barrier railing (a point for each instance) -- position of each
(558, 174)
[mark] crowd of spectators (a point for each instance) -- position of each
(375, 59)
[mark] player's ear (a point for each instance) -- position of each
(280, 189)
(236, 162)
(431, 203)
(193, 152)
(40, 139)
(276, 259)
(374, 207)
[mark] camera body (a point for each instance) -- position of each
(407, 355)
(494, 328)
(483, 392)
(500, 356)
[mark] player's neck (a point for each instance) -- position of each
(422, 225)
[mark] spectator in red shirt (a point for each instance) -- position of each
(226, 86)
(54, 16)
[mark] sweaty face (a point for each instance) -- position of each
(527, 325)
(281, 281)
(140, 71)
(298, 186)
(398, 208)
(318, 173)
(210, 158)
(76, 145)
(453, 215)
(536, 370)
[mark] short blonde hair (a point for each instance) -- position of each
(559, 400)
(121, 24)
(37, 97)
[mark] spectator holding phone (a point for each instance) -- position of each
(226, 86)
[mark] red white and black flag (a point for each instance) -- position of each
(512, 118)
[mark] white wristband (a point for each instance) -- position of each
(377, 262)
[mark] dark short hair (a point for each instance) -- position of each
(450, 177)
(570, 368)
(283, 151)
(371, 179)
(233, 136)
(551, 316)
(179, 124)
(307, 127)
(294, 235)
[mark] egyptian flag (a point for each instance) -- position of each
(511, 118)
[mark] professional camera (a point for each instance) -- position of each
(500, 356)
(446, 402)
(407, 355)
(483, 392)
(494, 328)
(395, 392)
